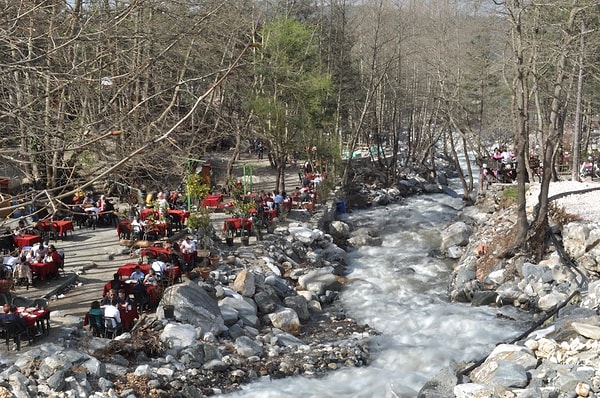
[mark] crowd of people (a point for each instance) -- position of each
(17, 265)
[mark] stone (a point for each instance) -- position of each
(244, 283)
(587, 330)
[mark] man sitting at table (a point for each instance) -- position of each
(111, 311)
(137, 274)
(142, 299)
(37, 253)
(160, 268)
(123, 300)
(13, 316)
(116, 283)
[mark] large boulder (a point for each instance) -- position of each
(193, 305)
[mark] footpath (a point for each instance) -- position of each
(93, 256)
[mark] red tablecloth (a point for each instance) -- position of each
(124, 227)
(183, 214)
(128, 316)
(238, 223)
(146, 212)
(161, 253)
(162, 229)
(64, 226)
(34, 316)
(27, 240)
(212, 200)
(44, 269)
(127, 269)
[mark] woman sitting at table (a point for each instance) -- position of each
(95, 317)
(23, 271)
(53, 256)
(151, 279)
(111, 296)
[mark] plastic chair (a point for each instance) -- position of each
(41, 303)
(12, 331)
(96, 323)
(21, 301)
(112, 328)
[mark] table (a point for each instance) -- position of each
(160, 228)
(127, 269)
(64, 226)
(36, 318)
(44, 269)
(237, 223)
(145, 213)
(182, 214)
(128, 316)
(212, 200)
(27, 240)
(161, 253)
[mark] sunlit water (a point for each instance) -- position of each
(402, 292)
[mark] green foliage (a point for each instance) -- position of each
(200, 220)
(241, 209)
(195, 188)
(288, 104)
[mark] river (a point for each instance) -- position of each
(402, 291)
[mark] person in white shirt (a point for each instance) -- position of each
(137, 229)
(188, 248)
(10, 262)
(111, 311)
(159, 267)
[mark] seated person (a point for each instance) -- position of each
(37, 253)
(21, 229)
(10, 262)
(137, 228)
(123, 300)
(116, 283)
(53, 256)
(111, 311)
(159, 267)
(137, 274)
(96, 316)
(23, 271)
(13, 316)
(141, 296)
(110, 297)
(151, 278)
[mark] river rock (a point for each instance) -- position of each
(456, 234)
(193, 305)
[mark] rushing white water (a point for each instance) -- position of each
(402, 292)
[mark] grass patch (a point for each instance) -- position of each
(510, 195)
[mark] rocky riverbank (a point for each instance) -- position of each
(560, 357)
(268, 310)
(265, 311)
